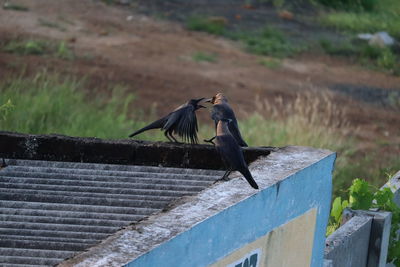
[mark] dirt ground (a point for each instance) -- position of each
(153, 57)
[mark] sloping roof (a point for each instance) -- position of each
(52, 210)
(61, 195)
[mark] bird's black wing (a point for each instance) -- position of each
(183, 121)
(187, 126)
(232, 154)
(230, 151)
(224, 111)
(234, 129)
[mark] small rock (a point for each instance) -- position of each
(129, 18)
(381, 39)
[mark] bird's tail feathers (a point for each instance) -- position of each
(246, 173)
(154, 125)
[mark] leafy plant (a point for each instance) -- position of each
(5, 109)
(363, 196)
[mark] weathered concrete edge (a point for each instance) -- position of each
(136, 240)
(341, 239)
(379, 236)
(127, 151)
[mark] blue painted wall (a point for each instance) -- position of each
(250, 219)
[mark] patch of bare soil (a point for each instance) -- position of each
(153, 58)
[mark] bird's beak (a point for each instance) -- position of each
(198, 100)
(208, 100)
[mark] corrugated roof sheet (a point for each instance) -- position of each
(52, 210)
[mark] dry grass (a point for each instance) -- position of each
(310, 119)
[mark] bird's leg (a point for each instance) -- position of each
(224, 177)
(3, 165)
(173, 137)
(210, 140)
(169, 138)
(226, 174)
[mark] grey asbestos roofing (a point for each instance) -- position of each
(51, 210)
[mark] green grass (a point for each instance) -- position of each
(50, 104)
(204, 57)
(38, 47)
(267, 42)
(271, 63)
(363, 22)
(210, 25)
(63, 51)
(29, 47)
(384, 17)
(292, 130)
(365, 54)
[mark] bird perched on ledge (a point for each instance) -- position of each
(222, 110)
(181, 121)
(231, 153)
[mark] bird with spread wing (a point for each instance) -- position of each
(182, 121)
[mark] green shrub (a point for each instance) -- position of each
(211, 25)
(267, 42)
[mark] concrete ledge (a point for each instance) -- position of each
(348, 246)
(95, 150)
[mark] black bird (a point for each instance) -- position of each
(231, 153)
(222, 110)
(181, 121)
